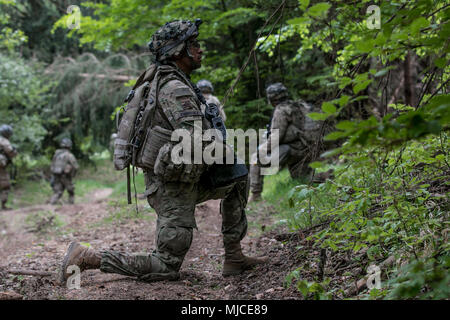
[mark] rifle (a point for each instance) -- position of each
(220, 175)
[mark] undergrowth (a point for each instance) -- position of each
(390, 201)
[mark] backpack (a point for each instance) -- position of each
(59, 162)
(137, 142)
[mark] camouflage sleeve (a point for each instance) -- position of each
(8, 149)
(73, 162)
(280, 121)
(179, 105)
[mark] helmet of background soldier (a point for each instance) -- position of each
(6, 131)
(277, 92)
(66, 143)
(171, 38)
(205, 86)
(113, 136)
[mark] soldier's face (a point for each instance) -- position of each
(196, 53)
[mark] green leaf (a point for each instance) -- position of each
(440, 63)
(303, 4)
(335, 135)
(419, 24)
(344, 81)
(318, 116)
(361, 86)
(328, 107)
(364, 45)
(316, 164)
(343, 100)
(346, 125)
(319, 9)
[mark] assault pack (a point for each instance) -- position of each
(59, 162)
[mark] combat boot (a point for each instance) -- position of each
(236, 262)
(71, 199)
(255, 196)
(81, 256)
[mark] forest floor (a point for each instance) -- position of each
(36, 238)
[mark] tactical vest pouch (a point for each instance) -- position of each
(155, 138)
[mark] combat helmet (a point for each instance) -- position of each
(205, 86)
(6, 131)
(277, 92)
(66, 143)
(170, 39)
(113, 136)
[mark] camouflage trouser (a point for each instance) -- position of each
(175, 204)
(294, 162)
(5, 185)
(61, 182)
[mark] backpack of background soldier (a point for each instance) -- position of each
(59, 162)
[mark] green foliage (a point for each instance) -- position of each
(429, 279)
(309, 289)
(392, 201)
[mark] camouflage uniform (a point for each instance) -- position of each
(207, 90)
(64, 167)
(288, 117)
(7, 153)
(173, 197)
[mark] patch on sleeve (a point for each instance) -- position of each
(187, 114)
(186, 103)
(182, 92)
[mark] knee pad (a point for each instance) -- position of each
(174, 240)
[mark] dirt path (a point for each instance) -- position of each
(26, 242)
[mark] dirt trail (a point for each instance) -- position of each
(22, 247)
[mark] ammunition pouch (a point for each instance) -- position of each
(168, 171)
(154, 140)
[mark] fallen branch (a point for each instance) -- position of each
(108, 76)
(30, 273)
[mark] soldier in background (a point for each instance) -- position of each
(207, 90)
(297, 136)
(64, 167)
(7, 153)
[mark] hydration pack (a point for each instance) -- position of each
(59, 162)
